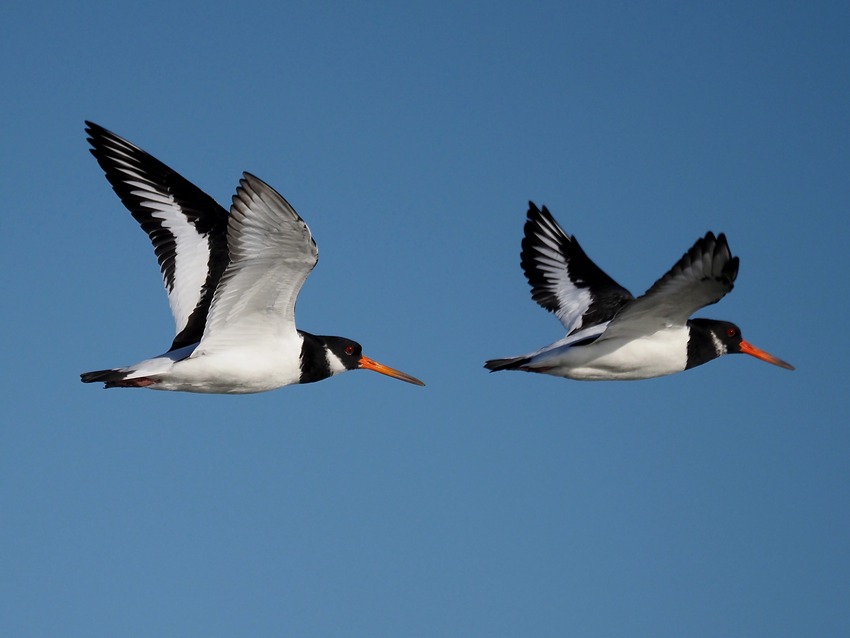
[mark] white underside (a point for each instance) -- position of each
(655, 355)
(244, 369)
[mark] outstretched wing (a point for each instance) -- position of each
(563, 279)
(701, 277)
(187, 228)
(271, 254)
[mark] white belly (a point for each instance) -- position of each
(232, 371)
(230, 374)
(654, 355)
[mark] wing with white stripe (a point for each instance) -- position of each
(271, 254)
(701, 277)
(563, 278)
(187, 227)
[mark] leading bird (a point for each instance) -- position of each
(611, 335)
(232, 281)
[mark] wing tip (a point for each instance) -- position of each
(536, 213)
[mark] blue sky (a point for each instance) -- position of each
(410, 137)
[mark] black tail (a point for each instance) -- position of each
(511, 363)
(115, 379)
(102, 375)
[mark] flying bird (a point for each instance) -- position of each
(611, 335)
(232, 282)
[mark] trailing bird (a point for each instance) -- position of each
(611, 335)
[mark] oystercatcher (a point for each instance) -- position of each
(611, 335)
(232, 281)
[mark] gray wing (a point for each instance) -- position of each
(271, 254)
(701, 277)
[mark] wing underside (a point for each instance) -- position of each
(272, 253)
(187, 228)
(703, 276)
(563, 279)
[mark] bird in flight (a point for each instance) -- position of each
(611, 335)
(232, 282)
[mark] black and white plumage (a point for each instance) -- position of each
(613, 335)
(232, 282)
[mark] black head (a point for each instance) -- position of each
(711, 338)
(348, 352)
(327, 356)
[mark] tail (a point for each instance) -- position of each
(511, 363)
(116, 378)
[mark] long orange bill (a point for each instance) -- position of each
(368, 364)
(748, 348)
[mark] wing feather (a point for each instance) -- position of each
(271, 254)
(703, 276)
(563, 279)
(187, 228)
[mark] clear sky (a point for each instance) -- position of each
(410, 136)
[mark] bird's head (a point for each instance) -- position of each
(345, 354)
(726, 338)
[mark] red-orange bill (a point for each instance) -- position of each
(368, 364)
(758, 353)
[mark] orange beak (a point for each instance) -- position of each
(368, 364)
(751, 350)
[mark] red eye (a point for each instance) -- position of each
(731, 332)
(349, 349)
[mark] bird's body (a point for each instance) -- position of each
(241, 369)
(232, 282)
(611, 335)
(654, 355)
